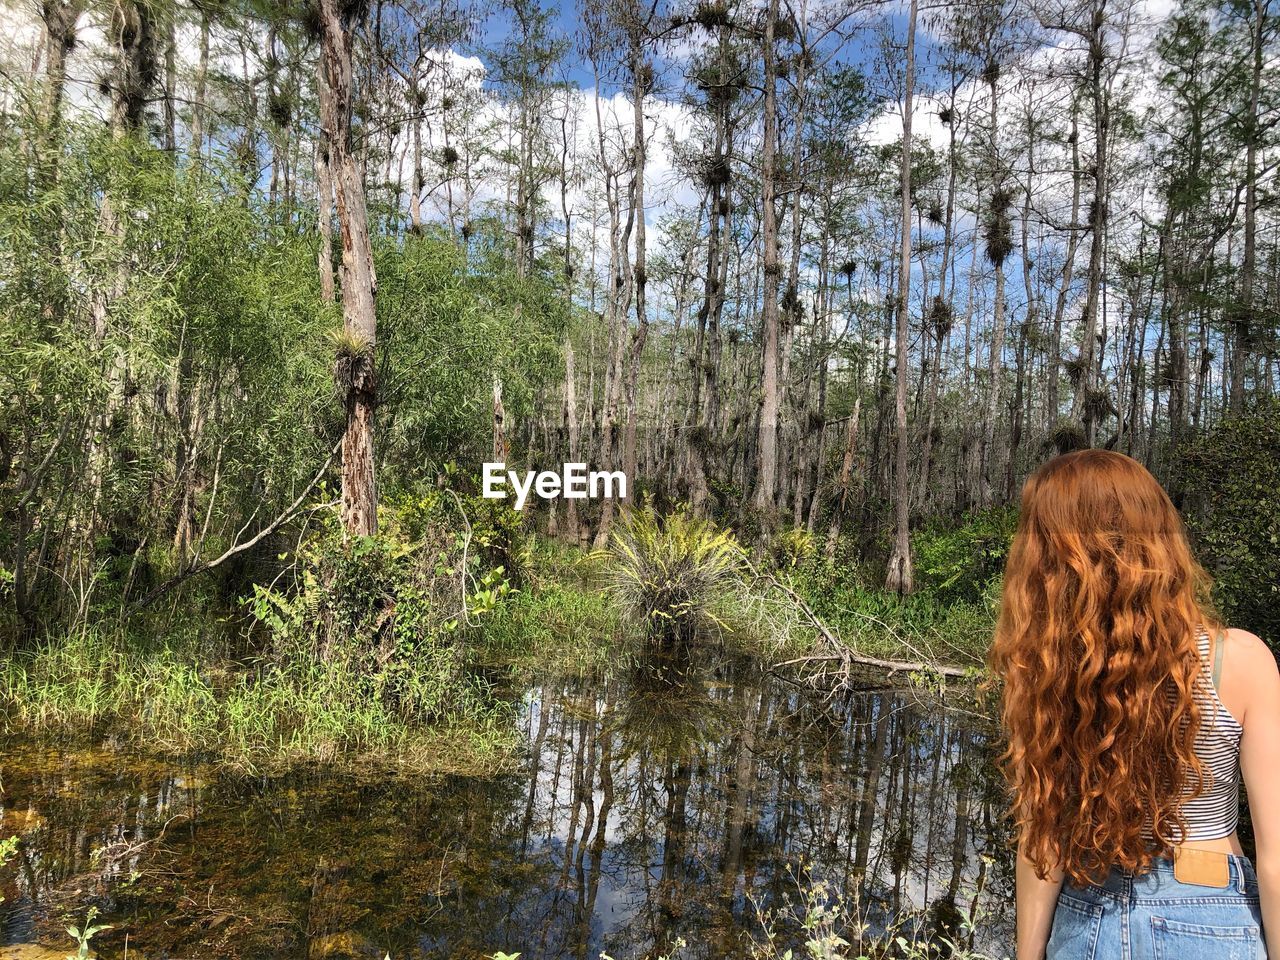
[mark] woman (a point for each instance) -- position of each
(1130, 716)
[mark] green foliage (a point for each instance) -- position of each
(84, 937)
(880, 623)
(451, 320)
(169, 364)
(8, 848)
(669, 572)
(389, 611)
(793, 547)
(959, 562)
(364, 656)
(489, 538)
(1231, 477)
(136, 298)
(366, 606)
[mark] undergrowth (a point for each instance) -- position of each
(370, 647)
(177, 698)
(670, 577)
(878, 623)
(360, 651)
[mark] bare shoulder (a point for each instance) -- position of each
(1249, 651)
(1251, 672)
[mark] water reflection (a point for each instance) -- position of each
(675, 800)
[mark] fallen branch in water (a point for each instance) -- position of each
(842, 653)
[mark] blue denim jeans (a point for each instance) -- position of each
(1155, 917)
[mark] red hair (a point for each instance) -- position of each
(1096, 644)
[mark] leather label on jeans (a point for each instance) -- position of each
(1203, 868)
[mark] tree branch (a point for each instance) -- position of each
(237, 548)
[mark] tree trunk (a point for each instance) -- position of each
(641, 73)
(1082, 407)
(617, 305)
(202, 78)
(899, 577)
(1053, 402)
(846, 478)
(500, 449)
(133, 26)
(354, 368)
(942, 315)
(998, 239)
(570, 410)
(767, 469)
(324, 203)
(170, 84)
(416, 99)
(1248, 266)
(60, 20)
(706, 355)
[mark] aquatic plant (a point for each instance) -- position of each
(832, 926)
(669, 573)
(83, 936)
(7, 849)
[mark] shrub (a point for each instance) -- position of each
(958, 562)
(363, 657)
(1231, 477)
(493, 535)
(387, 609)
(670, 572)
(793, 547)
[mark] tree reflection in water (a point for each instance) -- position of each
(668, 801)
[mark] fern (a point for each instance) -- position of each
(670, 572)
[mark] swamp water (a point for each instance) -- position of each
(683, 798)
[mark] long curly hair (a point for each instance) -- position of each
(1096, 645)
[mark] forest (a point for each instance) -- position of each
(824, 280)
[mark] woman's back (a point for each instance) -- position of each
(1130, 730)
(1212, 812)
(1207, 902)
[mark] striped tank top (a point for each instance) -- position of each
(1215, 812)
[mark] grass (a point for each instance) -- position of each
(877, 623)
(560, 623)
(180, 697)
(565, 629)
